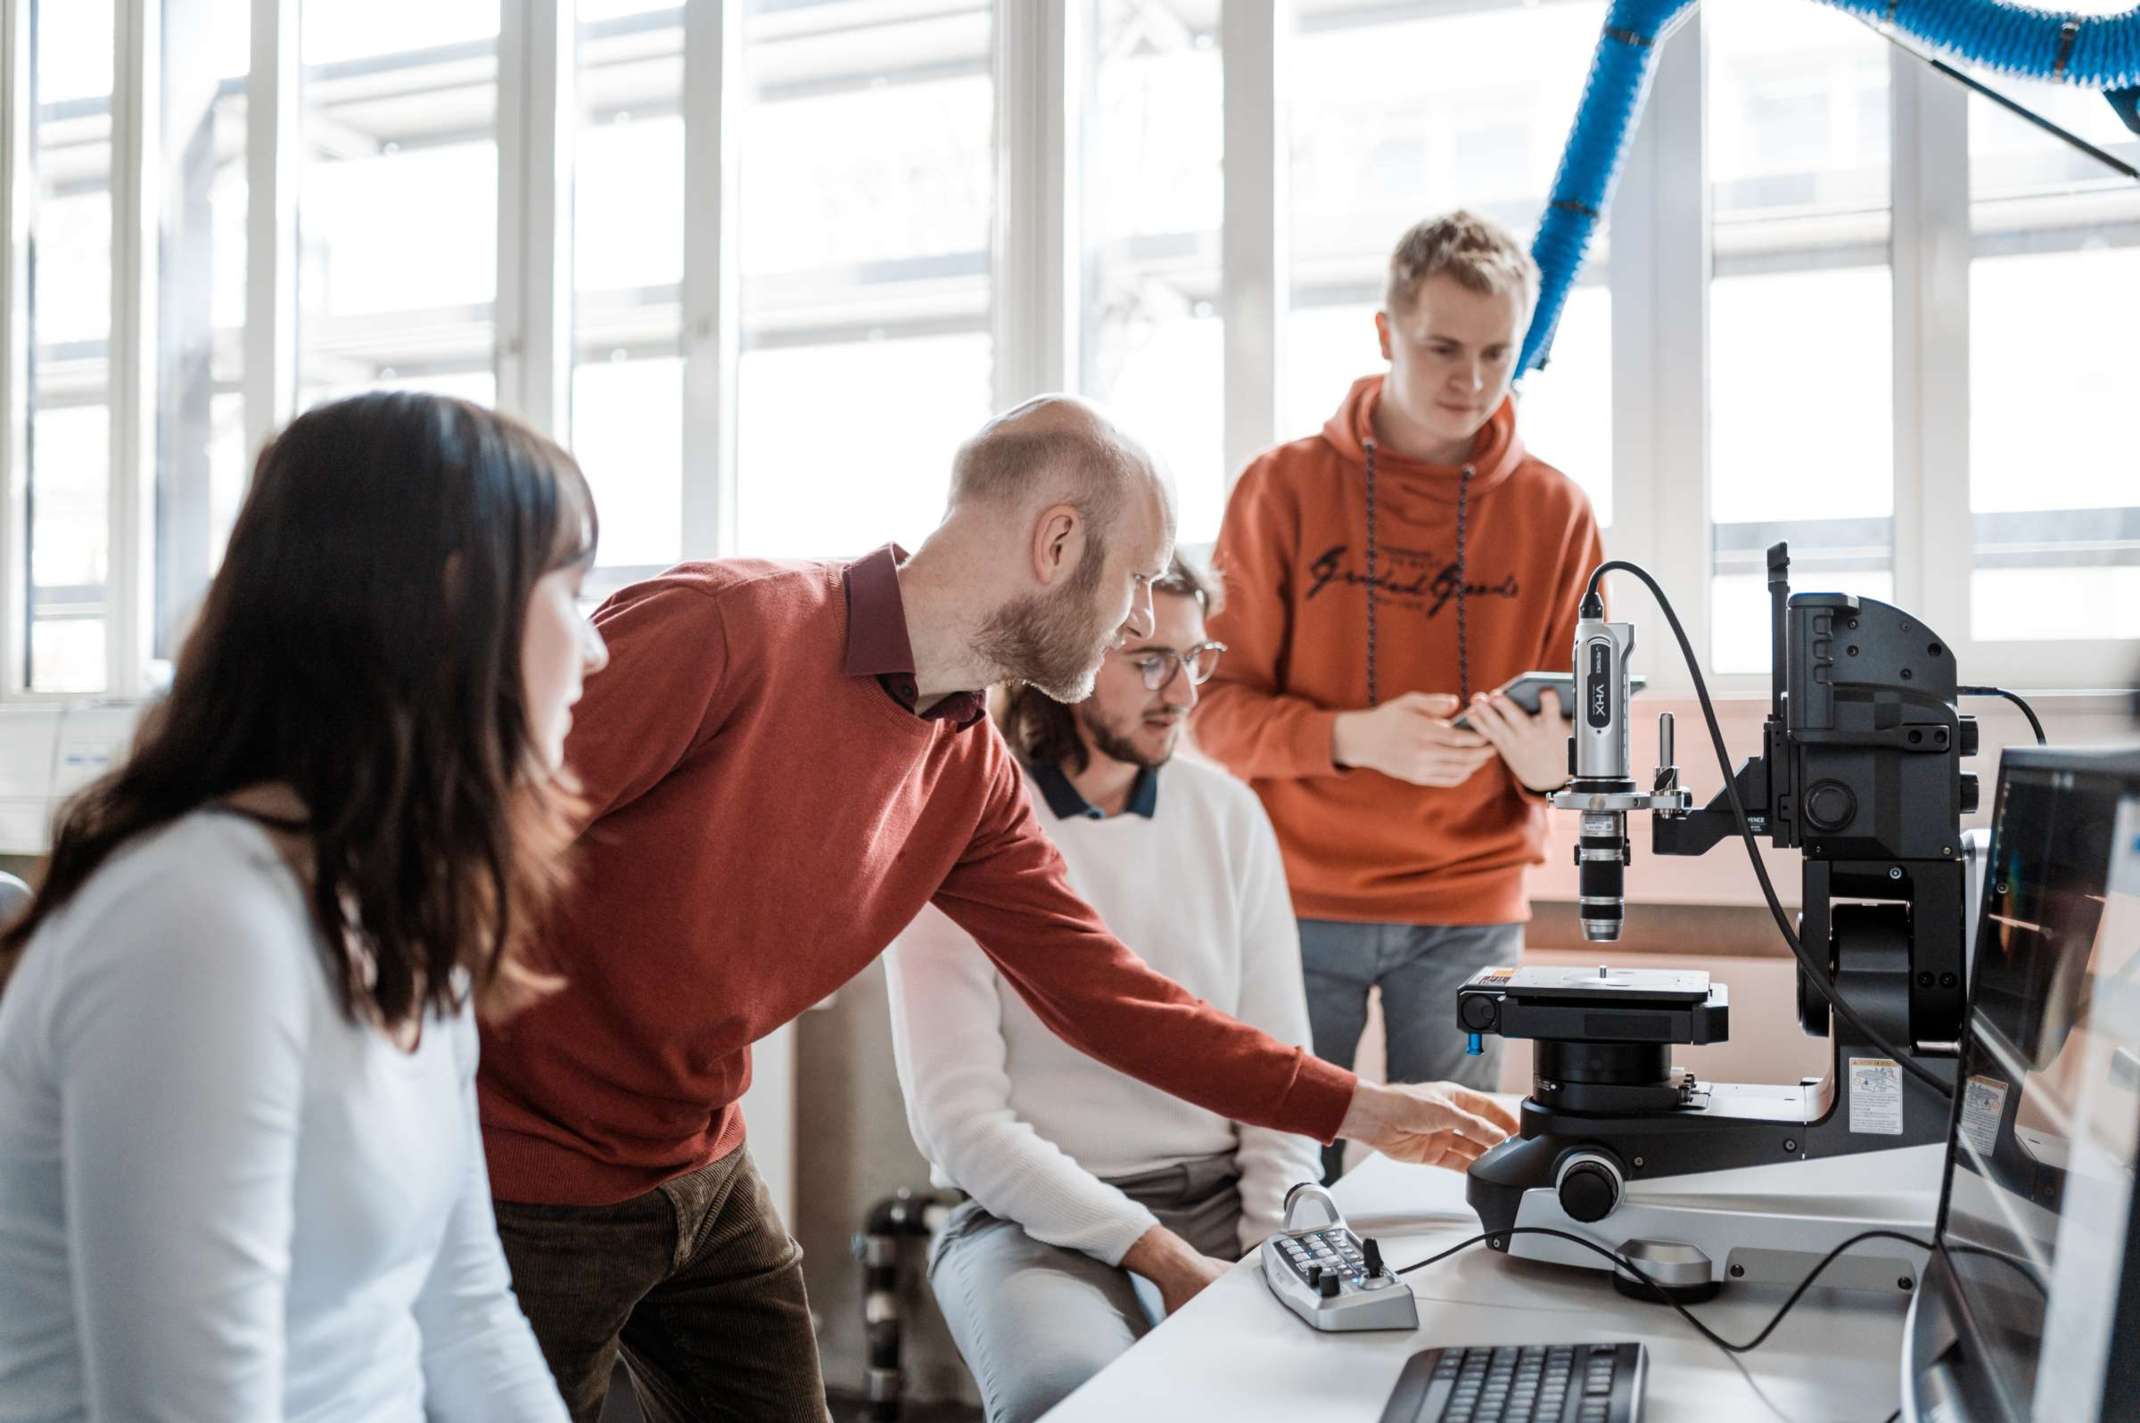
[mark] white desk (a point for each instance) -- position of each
(1236, 1353)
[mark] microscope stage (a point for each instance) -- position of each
(1541, 984)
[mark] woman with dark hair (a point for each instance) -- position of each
(240, 1171)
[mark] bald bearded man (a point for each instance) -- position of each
(783, 763)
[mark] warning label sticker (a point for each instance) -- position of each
(1876, 1096)
(1983, 1104)
(1495, 975)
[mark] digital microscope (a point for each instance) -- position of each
(1705, 1182)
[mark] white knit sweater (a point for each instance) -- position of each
(1027, 1125)
(220, 1198)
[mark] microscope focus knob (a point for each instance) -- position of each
(1588, 1187)
(1830, 806)
(1970, 794)
(1966, 734)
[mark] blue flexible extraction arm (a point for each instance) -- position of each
(2089, 52)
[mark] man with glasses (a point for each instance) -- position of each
(1083, 1180)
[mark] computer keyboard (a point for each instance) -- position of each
(1528, 1383)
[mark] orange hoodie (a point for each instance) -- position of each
(1449, 617)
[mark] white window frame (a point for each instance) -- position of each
(16, 197)
(136, 170)
(1930, 248)
(714, 94)
(129, 584)
(1659, 279)
(1255, 267)
(1038, 284)
(538, 132)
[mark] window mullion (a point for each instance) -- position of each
(1035, 301)
(1933, 536)
(15, 180)
(713, 107)
(1253, 294)
(131, 511)
(1637, 321)
(536, 129)
(272, 140)
(1674, 247)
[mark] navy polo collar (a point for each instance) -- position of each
(1065, 800)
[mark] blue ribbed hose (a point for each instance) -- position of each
(2092, 52)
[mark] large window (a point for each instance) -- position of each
(868, 181)
(1477, 121)
(397, 214)
(1800, 311)
(1838, 300)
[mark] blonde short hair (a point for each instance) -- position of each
(1480, 255)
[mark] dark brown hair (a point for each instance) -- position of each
(1043, 731)
(361, 645)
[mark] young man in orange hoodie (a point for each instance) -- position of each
(1383, 577)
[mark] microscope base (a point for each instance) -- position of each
(1763, 1224)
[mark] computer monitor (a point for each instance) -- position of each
(2031, 1307)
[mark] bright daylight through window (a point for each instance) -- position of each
(1800, 317)
(1480, 124)
(1907, 352)
(2054, 425)
(867, 196)
(70, 330)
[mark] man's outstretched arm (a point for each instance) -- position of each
(1010, 892)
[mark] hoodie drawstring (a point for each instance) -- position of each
(1372, 699)
(1463, 622)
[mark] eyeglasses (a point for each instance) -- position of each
(1159, 665)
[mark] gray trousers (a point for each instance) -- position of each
(1419, 967)
(1034, 1321)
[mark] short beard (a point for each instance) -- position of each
(1054, 643)
(1113, 745)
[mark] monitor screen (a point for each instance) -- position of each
(2039, 1188)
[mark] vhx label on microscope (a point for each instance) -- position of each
(1876, 1096)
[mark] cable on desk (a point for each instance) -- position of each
(2026, 710)
(1666, 1295)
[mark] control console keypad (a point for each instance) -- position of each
(1334, 1250)
(1334, 1280)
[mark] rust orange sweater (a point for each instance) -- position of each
(1359, 845)
(766, 819)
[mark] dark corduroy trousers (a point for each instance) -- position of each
(696, 1283)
